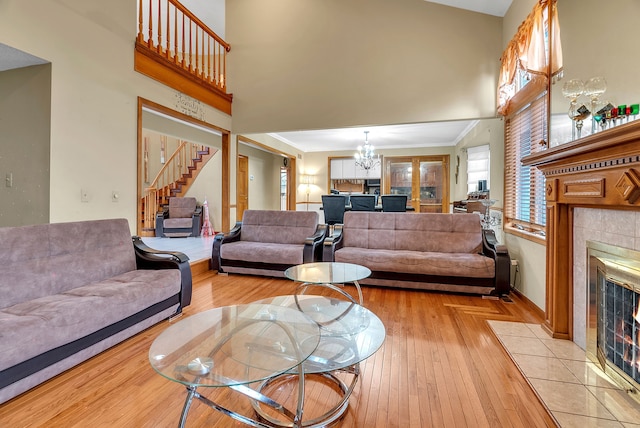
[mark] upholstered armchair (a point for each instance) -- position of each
(181, 218)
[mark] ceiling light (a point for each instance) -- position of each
(365, 158)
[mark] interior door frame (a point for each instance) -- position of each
(224, 175)
(291, 164)
(415, 177)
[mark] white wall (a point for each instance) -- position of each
(589, 52)
(332, 63)
(25, 126)
(94, 98)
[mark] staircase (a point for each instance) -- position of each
(174, 179)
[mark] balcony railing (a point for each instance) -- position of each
(172, 33)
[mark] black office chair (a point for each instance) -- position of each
(363, 202)
(394, 203)
(333, 207)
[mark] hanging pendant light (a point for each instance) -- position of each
(365, 158)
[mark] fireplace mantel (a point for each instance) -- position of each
(598, 171)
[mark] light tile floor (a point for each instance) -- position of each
(576, 392)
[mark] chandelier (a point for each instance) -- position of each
(365, 158)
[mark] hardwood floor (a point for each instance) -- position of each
(440, 366)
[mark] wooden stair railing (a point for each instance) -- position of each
(174, 179)
(173, 34)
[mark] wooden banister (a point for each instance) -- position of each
(199, 51)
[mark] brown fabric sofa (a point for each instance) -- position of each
(268, 242)
(71, 290)
(448, 252)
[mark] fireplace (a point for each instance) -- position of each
(613, 313)
(598, 172)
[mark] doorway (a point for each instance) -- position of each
(284, 188)
(265, 180)
(242, 196)
(211, 185)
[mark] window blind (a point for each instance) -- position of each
(524, 202)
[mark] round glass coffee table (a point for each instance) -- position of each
(233, 347)
(329, 274)
(350, 333)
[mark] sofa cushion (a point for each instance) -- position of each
(278, 227)
(181, 207)
(178, 223)
(49, 259)
(263, 252)
(33, 327)
(426, 232)
(418, 262)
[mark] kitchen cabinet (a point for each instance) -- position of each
(346, 169)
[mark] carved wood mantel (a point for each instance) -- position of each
(598, 171)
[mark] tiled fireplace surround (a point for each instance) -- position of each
(613, 227)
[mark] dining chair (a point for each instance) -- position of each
(334, 207)
(394, 203)
(363, 202)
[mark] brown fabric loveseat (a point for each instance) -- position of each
(268, 242)
(447, 252)
(71, 290)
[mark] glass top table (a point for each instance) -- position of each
(330, 274)
(234, 346)
(350, 333)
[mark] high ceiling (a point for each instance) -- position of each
(11, 58)
(434, 134)
(490, 7)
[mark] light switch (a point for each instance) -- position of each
(115, 196)
(9, 179)
(84, 195)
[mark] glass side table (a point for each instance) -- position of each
(328, 274)
(233, 347)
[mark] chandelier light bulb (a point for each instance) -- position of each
(365, 157)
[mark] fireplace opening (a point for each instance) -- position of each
(613, 313)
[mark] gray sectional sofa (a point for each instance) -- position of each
(268, 242)
(446, 252)
(71, 290)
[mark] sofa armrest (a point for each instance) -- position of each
(500, 254)
(149, 258)
(312, 251)
(196, 225)
(332, 243)
(222, 238)
(160, 217)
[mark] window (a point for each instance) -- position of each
(523, 100)
(524, 203)
(477, 167)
